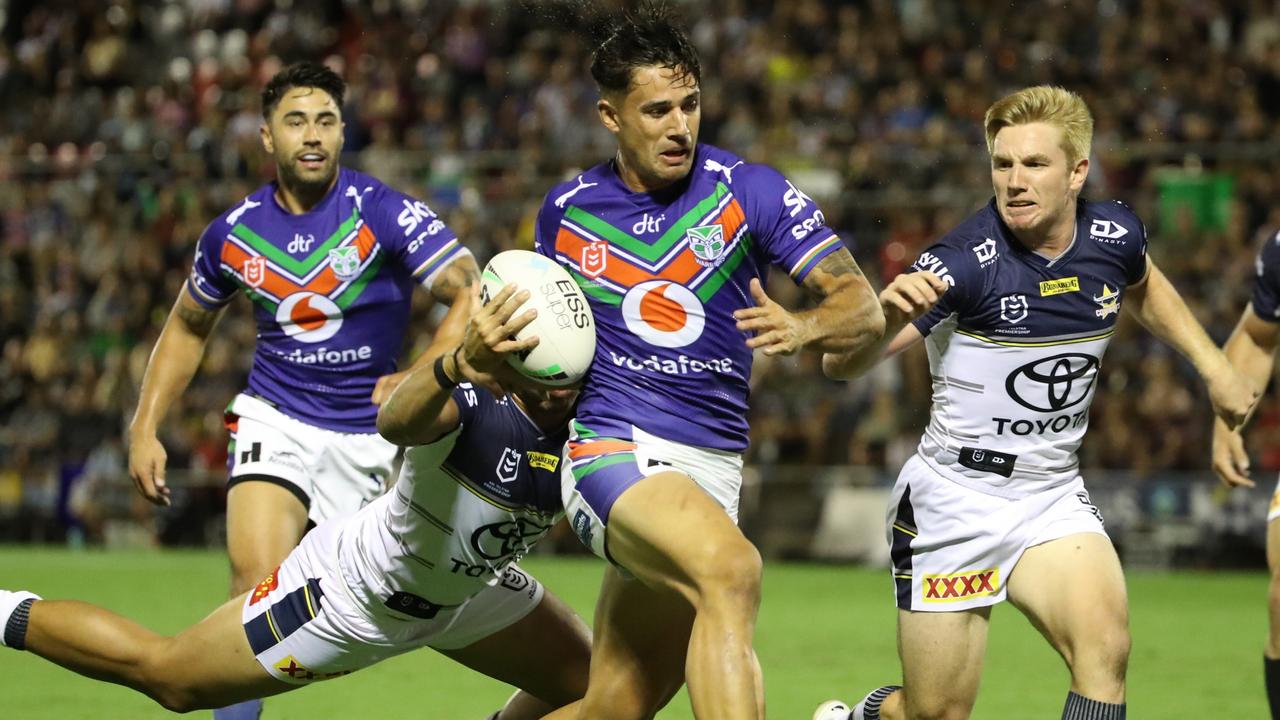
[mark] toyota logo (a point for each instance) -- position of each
(1053, 383)
(500, 540)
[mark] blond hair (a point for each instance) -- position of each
(1047, 104)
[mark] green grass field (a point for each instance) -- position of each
(824, 631)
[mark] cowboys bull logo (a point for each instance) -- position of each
(1054, 383)
(498, 541)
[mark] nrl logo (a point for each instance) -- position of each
(345, 262)
(255, 271)
(1013, 308)
(707, 243)
(594, 258)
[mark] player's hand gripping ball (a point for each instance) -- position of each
(565, 327)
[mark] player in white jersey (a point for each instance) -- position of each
(429, 564)
(1252, 349)
(1016, 306)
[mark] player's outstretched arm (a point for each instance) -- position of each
(908, 297)
(847, 316)
(1251, 349)
(420, 409)
(1157, 305)
(173, 363)
(457, 286)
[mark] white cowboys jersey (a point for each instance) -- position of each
(463, 509)
(1016, 343)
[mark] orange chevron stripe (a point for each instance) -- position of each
(599, 447)
(322, 284)
(681, 269)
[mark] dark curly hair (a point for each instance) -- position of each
(645, 36)
(304, 74)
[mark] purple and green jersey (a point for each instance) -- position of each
(664, 272)
(331, 290)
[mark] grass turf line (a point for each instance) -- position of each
(824, 631)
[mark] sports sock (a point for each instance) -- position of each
(869, 708)
(1271, 670)
(1079, 707)
(14, 610)
(247, 710)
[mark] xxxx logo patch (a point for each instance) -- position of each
(961, 586)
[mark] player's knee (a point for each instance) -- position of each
(246, 573)
(1104, 657)
(625, 702)
(173, 692)
(732, 571)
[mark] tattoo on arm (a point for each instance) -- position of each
(198, 319)
(461, 274)
(831, 272)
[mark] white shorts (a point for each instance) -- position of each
(304, 624)
(331, 473)
(601, 468)
(953, 548)
(1273, 512)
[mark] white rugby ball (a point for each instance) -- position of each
(565, 327)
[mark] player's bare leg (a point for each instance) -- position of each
(547, 654)
(218, 667)
(1072, 589)
(1272, 650)
(638, 651)
(942, 654)
(673, 536)
(264, 523)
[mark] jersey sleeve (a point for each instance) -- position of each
(1135, 259)
(468, 398)
(964, 279)
(1266, 283)
(546, 226)
(415, 235)
(208, 284)
(787, 223)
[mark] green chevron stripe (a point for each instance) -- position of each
(649, 253)
(299, 267)
(582, 431)
(266, 302)
(602, 463)
(712, 284)
(353, 290)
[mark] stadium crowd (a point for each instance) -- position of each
(128, 128)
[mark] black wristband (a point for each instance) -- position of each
(442, 377)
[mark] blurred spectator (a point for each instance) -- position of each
(126, 128)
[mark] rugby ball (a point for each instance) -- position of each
(565, 327)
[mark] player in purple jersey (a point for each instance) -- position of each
(432, 564)
(1252, 350)
(1016, 306)
(671, 241)
(330, 258)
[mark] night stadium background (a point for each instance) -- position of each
(127, 126)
